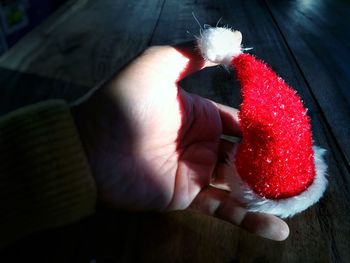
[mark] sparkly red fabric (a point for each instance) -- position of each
(275, 157)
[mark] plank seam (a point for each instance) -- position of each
(157, 23)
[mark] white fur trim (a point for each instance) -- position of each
(289, 206)
(220, 44)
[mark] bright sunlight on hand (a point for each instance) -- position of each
(153, 146)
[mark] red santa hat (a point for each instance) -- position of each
(277, 168)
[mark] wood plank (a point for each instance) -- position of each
(317, 229)
(320, 234)
(111, 236)
(86, 40)
(20, 89)
(318, 34)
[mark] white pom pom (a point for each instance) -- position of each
(219, 44)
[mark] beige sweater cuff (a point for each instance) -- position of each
(45, 180)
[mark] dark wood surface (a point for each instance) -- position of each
(306, 42)
(317, 34)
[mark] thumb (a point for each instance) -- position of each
(168, 63)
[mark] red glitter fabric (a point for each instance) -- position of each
(275, 157)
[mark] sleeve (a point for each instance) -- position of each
(45, 180)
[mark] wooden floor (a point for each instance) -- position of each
(305, 41)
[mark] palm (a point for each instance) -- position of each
(175, 151)
(183, 158)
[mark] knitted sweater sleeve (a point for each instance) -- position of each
(45, 180)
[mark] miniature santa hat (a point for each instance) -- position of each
(278, 171)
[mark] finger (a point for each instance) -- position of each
(226, 151)
(196, 61)
(265, 225)
(219, 179)
(210, 199)
(261, 224)
(226, 154)
(218, 203)
(172, 63)
(229, 119)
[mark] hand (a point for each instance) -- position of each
(152, 145)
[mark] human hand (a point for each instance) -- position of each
(153, 146)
